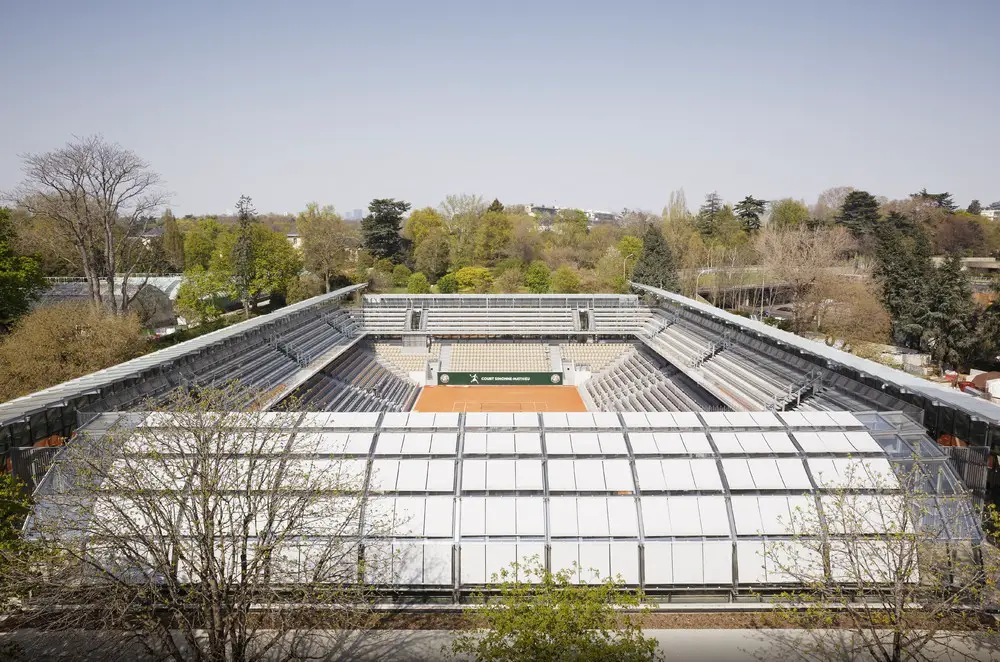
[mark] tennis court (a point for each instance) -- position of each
(500, 398)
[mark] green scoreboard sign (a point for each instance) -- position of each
(500, 378)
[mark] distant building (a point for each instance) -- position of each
(545, 214)
(992, 212)
(355, 215)
(295, 239)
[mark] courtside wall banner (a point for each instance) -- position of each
(500, 378)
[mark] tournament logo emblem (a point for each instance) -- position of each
(444, 378)
(556, 379)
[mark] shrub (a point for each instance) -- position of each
(447, 284)
(565, 280)
(537, 277)
(534, 614)
(55, 343)
(417, 284)
(400, 275)
(474, 279)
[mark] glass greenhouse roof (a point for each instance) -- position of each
(666, 500)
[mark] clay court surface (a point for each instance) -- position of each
(499, 398)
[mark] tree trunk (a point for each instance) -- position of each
(246, 308)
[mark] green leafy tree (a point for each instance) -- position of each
(422, 222)
(565, 280)
(749, 211)
(975, 208)
(495, 207)
(199, 242)
(198, 295)
(400, 275)
(612, 270)
(325, 240)
(493, 238)
(255, 261)
(656, 266)
(173, 241)
(21, 278)
(530, 613)
(789, 213)
(432, 255)
(859, 214)
(630, 245)
(417, 284)
(380, 228)
(538, 278)
(474, 279)
(447, 284)
(15, 504)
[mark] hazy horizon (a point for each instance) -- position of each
(582, 104)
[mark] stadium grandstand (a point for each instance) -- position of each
(645, 434)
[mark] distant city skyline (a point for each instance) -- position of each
(584, 104)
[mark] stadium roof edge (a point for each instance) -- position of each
(971, 405)
(16, 409)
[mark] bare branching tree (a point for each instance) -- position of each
(883, 570)
(99, 197)
(802, 259)
(206, 535)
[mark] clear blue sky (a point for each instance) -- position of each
(589, 104)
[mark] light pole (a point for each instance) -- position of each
(625, 262)
(701, 272)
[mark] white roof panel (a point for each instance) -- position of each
(686, 419)
(412, 476)
(438, 516)
(441, 476)
(643, 443)
(585, 443)
(473, 475)
(389, 443)
(530, 516)
(524, 419)
(613, 443)
(501, 517)
(618, 476)
(594, 522)
(554, 419)
(500, 475)
(715, 419)
(765, 419)
(527, 443)
(394, 419)
(558, 443)
(622, 519)
(738, 474)
(475, 443)
(696, 442)
(500, 419)
(528, 475)
(727, 442)
(472, 517)
(740, 419)
(589, 475)
(766, 475)
(606, 419)
(625, 561)
(779, 442)
(793, 474)
(562, 478)
(635, 419)
(562, 517)
(416, 443)
(500, 443)
(443, 443)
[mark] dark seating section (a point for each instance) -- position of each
(260, 360)
(639, 383)
(356, 381)
(759, 375)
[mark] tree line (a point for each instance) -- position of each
(66, 220)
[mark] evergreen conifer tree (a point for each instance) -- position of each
(656, 266)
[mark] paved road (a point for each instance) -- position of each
(426, 646)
